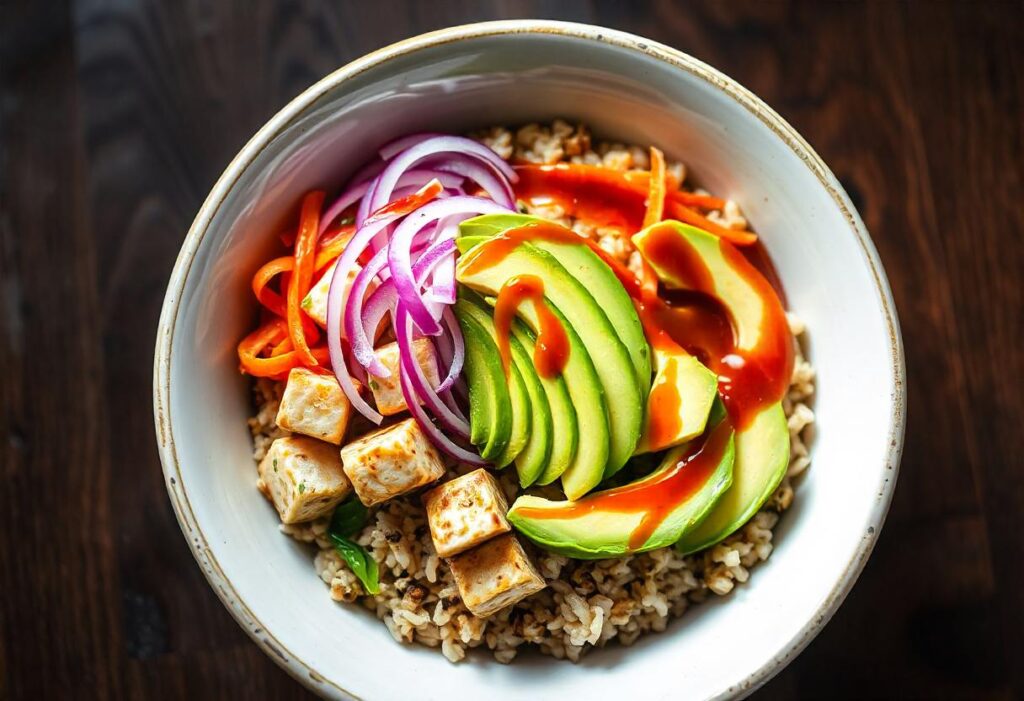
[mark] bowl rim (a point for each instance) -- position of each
(191, 529)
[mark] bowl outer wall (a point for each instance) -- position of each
(638, 91)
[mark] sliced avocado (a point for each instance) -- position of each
(530, 440)
(586, 320)
(762, 455)
(521, 419)
(593, 273)
(581, 378)
(490, 406)
(564, 430)
(605, 523)
(465, 243)
(762, 445)
(685, 389)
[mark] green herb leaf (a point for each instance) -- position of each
(348, 519)
(373, 385)
(359, 561)
(306, 303)
(302, 487)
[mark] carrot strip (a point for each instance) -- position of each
(405, 205)
(302, 276)
(273, 333)
(685, 214)
(267, 297)
(655, 189)
(692, 199)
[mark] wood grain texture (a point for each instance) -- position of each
(117, 117)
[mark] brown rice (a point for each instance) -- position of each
(586, 603)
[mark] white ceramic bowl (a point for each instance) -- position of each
(627, 88)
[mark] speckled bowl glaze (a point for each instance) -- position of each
(626, 88)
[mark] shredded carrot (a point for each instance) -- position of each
(655, 189)
(267, 297)
(685, 214)
(302, 275)
(282, 347)
(272, 335)
(692, 199)
(408, 204)
(654, 214)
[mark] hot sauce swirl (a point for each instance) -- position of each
(551, 351)
(749, 378)
(655, 497)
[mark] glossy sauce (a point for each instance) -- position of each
(599, 197)
(595, 195)
(665, 418)
(655, 497)
(749, 379)
(551, 351)
(692, 319)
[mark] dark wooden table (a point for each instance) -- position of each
(115, 120)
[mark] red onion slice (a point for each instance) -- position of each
(414, 375)
(435, 435)
(458, 350)
(414, 179)
(399, 259)
(357, 329)
(393, 148)
(335, 307)
(456, 146)
(496, 186)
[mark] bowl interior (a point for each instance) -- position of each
(624, 90)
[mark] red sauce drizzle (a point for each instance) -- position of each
(595, 195)
(656, 497)
(692, 319)
(748, 379)
(665, 407)
(551, 351)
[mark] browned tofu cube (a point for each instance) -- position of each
(390, 462)
(315, 406)
(466, 511)
(387, 392)
(303, 478)
(494, 575)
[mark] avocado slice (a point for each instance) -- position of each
(563, 414)
(585, 319)
(564, 429)
(680, 400)
(762, 444)
(581, 377)
(530, 441)
(607, 523)
(490, 406)
(593, 273)
(762, 455)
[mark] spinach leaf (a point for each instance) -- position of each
(348, 519)
(359, 561)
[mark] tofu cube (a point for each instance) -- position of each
(315, 303)
(494, 575)
(390, 462)
(465, 512)
(315, 406)
(387, 393)
(303, 478)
